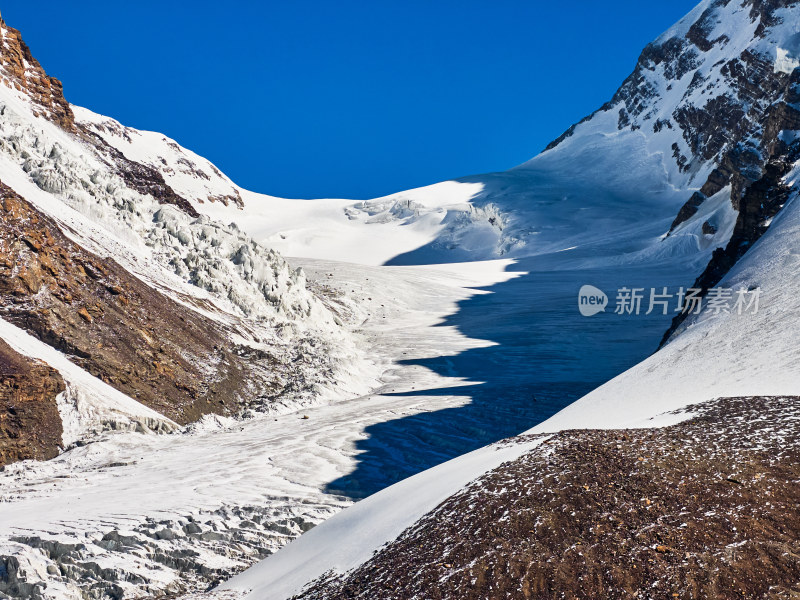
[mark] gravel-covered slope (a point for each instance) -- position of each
(30, 424)
(704, 509)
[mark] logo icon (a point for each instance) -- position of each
(591, 300)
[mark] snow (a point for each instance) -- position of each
(681, 28)
(89, 405)
(785, 63)
(446, 342)
(209, 267)
(715, 355)
(190, 175)
(349, 538)
(788, 48)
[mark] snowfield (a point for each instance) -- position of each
(251, 483)
(441, 322)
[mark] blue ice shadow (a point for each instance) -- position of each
(545, 356)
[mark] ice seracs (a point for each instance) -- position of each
(651, 189)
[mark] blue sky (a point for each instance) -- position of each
(345, 99)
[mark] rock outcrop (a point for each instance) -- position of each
(116, 327)
(20, 71)
(30, 424)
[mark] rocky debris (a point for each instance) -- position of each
(20, 71)
(688, 210)
(119, 329)
(708, 228)
(164, 156)
(228, 199)
(703, 509)
(30, 424)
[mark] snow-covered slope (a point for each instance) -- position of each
(687, 168)
(717, 354)
(696, 151)
(124, 211)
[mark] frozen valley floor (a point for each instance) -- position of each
(462, 366)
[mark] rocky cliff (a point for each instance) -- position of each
(21, 72)
(30, 424)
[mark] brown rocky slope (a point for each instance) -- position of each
(30, 426)
(709, 508)
(19, 70)
(116, 327)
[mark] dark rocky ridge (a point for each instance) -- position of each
(706, 509)
(727, 119)
(139, 177)
(118, 328)
(759, 203)
(736, 130)
(30, 425)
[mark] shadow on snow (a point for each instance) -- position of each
(544, 356)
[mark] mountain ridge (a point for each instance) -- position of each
(156, 289)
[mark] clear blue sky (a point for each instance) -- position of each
(342, 98)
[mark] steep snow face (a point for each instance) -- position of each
(717, 353)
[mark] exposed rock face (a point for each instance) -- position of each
(721, 89)
(761, 201)
(189, 176)
(19, 70)
(704, 509)
(119, 329)
(729, 89)
(142, 178)
(689, 209)
(30, 425)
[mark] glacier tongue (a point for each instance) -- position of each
(687, 134)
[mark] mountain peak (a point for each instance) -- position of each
(21, 72)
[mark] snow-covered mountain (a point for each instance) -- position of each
(108, 264)
(675, 485)
(143, 292)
